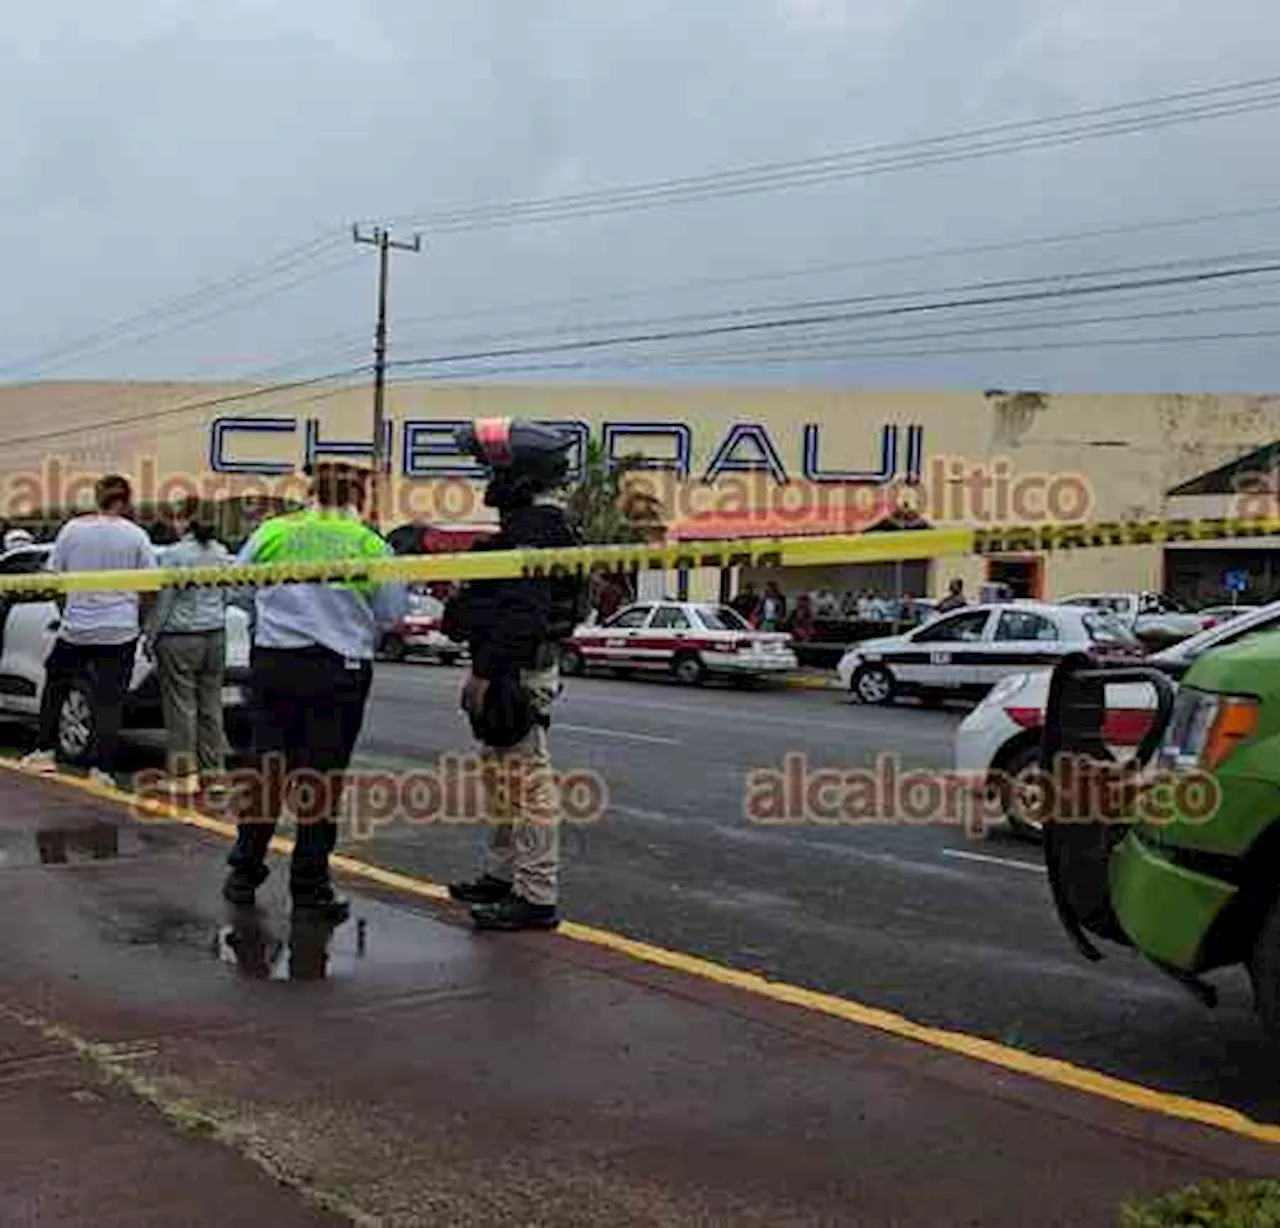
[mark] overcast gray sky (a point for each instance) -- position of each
(153, 146)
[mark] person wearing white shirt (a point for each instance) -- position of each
(100, 630)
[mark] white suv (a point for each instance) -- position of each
(28, 627)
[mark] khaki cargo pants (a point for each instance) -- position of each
(522, 803)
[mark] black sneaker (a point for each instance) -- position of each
(515, 913)
(321, 904)
(485, 890)
(242, 886)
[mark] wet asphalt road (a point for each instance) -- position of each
(920, 919)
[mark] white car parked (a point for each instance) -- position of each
(419, 634)
(1000, 738)
(968, 651)
(692, 642)
(28, 627)
(1148, 615)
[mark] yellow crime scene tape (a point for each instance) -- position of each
(904, 545)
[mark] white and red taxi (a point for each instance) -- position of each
(1000, 738)
(419, 633)
(689, 641)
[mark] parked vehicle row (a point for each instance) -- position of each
(1150, 616)
(998, 742)
(28, 627)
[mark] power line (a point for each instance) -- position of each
(284, 262)
(847, 342)
(192, 406)
(718, 360)
(745, 312)
(807, 270)
(1057, 293)
(1229, 99)
(770, 325)
(329, 340)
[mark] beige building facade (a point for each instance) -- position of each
(722, 462)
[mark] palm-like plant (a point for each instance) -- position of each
(605, 509)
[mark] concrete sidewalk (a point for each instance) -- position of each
(164, 1061)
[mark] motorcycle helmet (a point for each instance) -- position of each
(523, 459)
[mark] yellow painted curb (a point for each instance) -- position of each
(805, 682)
(1044, 1069)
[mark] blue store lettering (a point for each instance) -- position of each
(427, 449)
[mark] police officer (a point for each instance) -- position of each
(312, 665)
(513, 628)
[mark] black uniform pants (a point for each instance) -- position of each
(308, 709)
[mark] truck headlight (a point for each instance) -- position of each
(1206, 727)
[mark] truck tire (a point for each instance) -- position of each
(1264, 972)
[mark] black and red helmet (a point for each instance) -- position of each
(523, 458)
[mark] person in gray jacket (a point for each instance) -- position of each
(187, 638)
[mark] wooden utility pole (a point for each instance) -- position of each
(381, 238)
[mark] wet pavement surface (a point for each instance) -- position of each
(407, 1067)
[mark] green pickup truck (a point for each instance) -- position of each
(1186, 869)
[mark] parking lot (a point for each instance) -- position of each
(909, 915)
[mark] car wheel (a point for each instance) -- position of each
(1264, 972)
(1018, 801)
(872, 684)
(76, 725)
(393, 649)
(572, 663)
(689, 670)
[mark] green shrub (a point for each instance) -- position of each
(1220, 1204)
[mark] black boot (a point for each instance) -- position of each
(320, 903)
(515, 913)
(242, 884)
(485, 890)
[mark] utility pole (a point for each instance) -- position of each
(381, 238)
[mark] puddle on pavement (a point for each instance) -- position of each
(61, 846)
(160, 927)
(297, 950)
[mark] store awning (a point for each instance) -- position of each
(812, 523)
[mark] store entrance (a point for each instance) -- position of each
(1024, 575)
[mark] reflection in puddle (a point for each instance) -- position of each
(254, 946)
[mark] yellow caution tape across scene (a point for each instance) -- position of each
(911, 544)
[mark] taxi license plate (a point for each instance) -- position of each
(232, 695)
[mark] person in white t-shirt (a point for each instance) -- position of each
(98, 639)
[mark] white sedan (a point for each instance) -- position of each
(28, 627)
(419, 634)
(968, 651)
(689, 641)
(1000, 739)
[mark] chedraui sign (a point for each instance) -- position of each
(740, 476)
